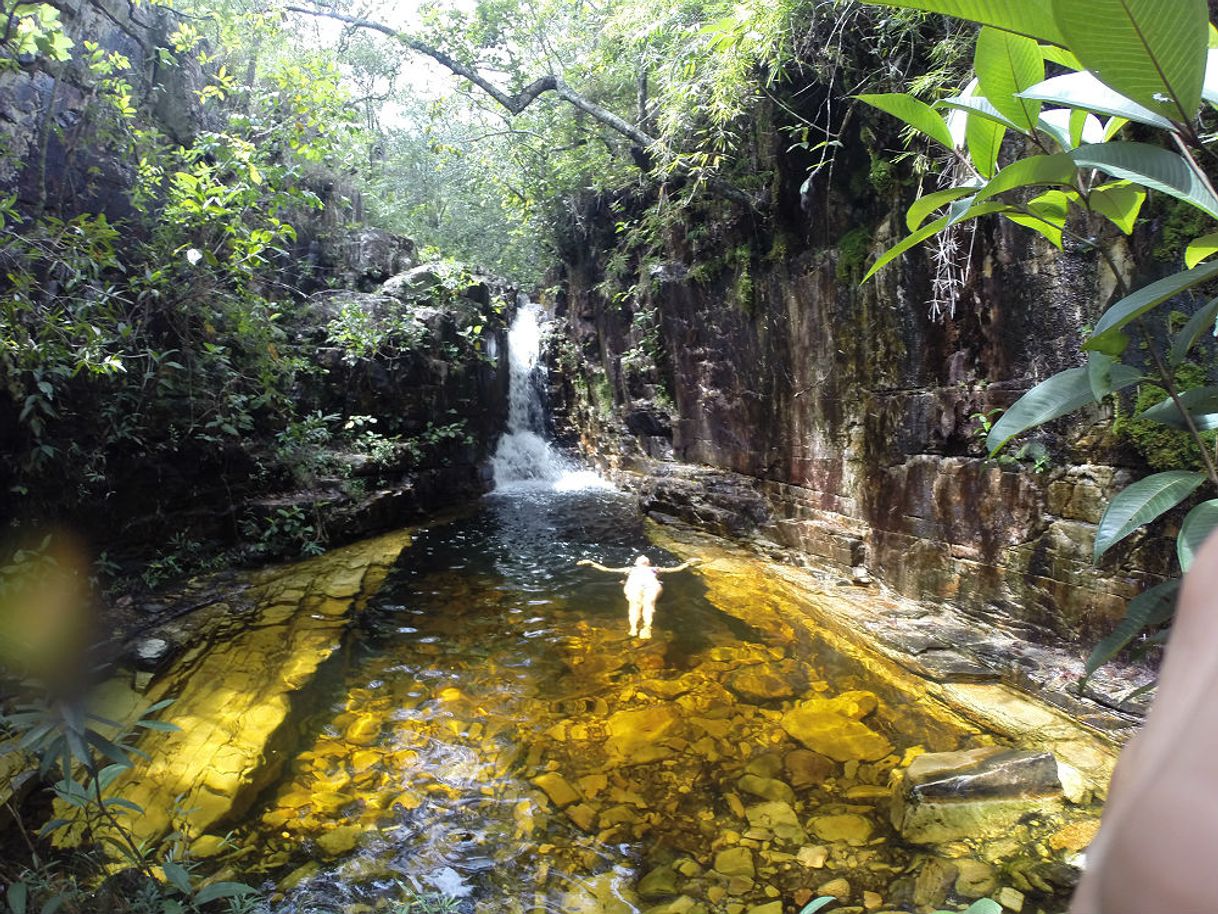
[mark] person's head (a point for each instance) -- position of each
(642, 560)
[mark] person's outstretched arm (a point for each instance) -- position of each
(588, 563)
(689, 563)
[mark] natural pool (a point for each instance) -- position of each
(467, 718)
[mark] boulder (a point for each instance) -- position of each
(975, 793)
(761, 683)
(735, 861)
(633, 736)
(836, 735)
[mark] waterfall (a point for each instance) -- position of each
(524, 457)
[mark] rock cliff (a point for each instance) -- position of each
(760, 390)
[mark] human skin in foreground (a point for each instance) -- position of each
(642, 589)
(1155, 848)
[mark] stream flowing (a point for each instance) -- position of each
(467, 726)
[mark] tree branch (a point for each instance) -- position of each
(518, 102)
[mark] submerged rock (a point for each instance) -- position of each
(831, 728)
(976, 793)
(634, 735)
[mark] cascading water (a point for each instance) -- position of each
(524, 458)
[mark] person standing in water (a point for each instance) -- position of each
(642, 589)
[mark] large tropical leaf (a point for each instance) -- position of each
(1151, 607)
(1120, 202)
(917, 114)
(1201, 403)
(926, 204)
(1198, 524)
(1106, 374)
(1201, 321)
(1045, 214)
(931, 228)
(984, 140)
(1057, 169)
(1006, 64)
(1032, 18)
(979, 106)
(1141, 502)
(1200, 249)
(1063, 393)
(1083, 90)
(1153, 51)
(1148, 297)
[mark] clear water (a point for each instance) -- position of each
(488, 659)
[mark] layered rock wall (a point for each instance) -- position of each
(767, 393)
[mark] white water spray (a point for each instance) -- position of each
(524, 458)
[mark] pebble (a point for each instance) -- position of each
(839, 888)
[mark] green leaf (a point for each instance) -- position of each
(177, 876)
(1063, 393)
(1156, 168)
(1151, 607)
(1045, 214)
(1032, 18)
(17, 895)
(1083, 90)
(911, 240)
(984, 140)
(816, 904)
(1148, 297)
(53, 904)
(1153, 51)
(1201, 403)
(978, 106)
(919, 115)
(1201, 321)
(1105, 374)
(223, 890)
(1141, 502)
(1006, 64)
(1057, 169)
(926, 204)
(1200, 249)
(1120, 202)
(1198, 524)
(984, 906)
(932, 228)
(1060, 56)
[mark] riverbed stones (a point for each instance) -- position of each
(806, 768)
(660, 882)
(555, 787)
(847, 828)
(839, 888)
(770, 907)
(634, 736)
(829, 728)
(975, 878)
(762, 683)
(767, 788)
(974, 793)
(735, 861)
(813, 856)
(778, 818)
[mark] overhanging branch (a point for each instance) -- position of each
(519, 101)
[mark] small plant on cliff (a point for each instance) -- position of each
(1145, 68)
